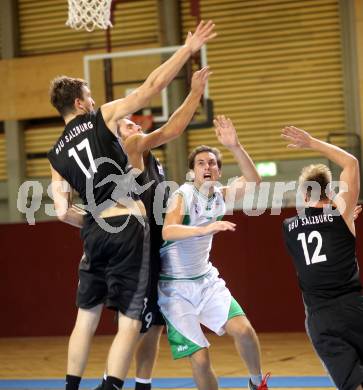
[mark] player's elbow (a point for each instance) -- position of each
(353, 164)
(166, 233)
(61, 213)
(258, 180)
(254, 178)
(62, 217)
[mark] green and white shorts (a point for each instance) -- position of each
(188, 303)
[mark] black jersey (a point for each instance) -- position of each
(89, 157)
(323, 251)
(153, 173)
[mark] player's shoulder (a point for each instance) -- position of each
(57, 146)
(286, 221)
(185, 191)
(290, 220)
(186, 188)
(88, 117)
(95, 117)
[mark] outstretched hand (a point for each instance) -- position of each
(202, 35)
(297, 138)
(199, 80)
(225, 131)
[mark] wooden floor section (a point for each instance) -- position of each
(288, 354)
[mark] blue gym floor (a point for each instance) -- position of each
(288, 382)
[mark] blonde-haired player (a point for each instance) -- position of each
(321, 242)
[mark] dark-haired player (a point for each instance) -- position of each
(88, 157)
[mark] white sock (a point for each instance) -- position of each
(142, 380)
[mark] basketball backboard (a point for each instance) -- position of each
(114, 75)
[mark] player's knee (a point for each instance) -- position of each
(88, 326)
(151, 349)
(88, 319)
(128, 324)
(243, 330)
(145, 354)
(201, 362)
(247, 330)
(147, 351)
(202, 367)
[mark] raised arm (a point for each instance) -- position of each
(158, 79)
(174, 229)
(66, 212)
(345, 200)
(227, 136)
(177, 123)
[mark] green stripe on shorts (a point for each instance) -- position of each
(168, 278)
(235, 309)
(179, 344)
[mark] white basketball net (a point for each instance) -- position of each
(89, 14)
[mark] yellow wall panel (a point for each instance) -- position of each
(3, 165)
(37, 168)
(38, 141)
(358, 8)
(26, 81)
(1, 39)
(274, 63)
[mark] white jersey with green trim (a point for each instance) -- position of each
(189, 258)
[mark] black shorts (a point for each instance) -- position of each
(336, 331)
(115, 268)
(151, 314)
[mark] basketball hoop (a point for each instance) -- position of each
(89, 14)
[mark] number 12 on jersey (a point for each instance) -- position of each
(317, 257)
